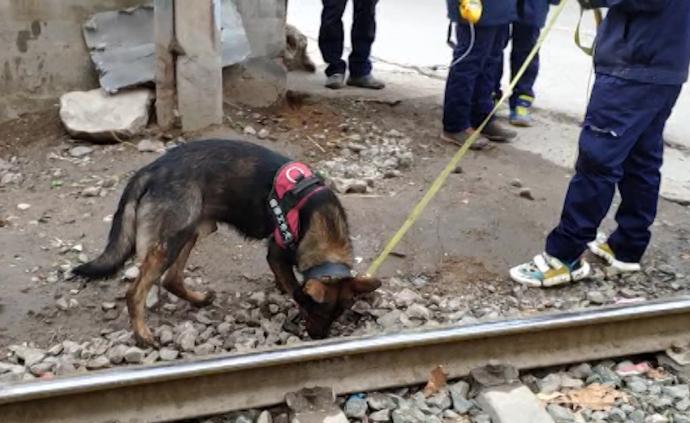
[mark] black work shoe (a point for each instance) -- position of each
(494, 131)
(459, 139)
(335, 81)
(366, 81)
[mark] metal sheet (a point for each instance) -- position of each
(121, 44)
(225, 383)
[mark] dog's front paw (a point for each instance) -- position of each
(208, 299)
(145, 339)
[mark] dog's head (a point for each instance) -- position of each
(322, 302)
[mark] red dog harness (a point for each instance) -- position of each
(293, 185)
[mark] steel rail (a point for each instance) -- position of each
(219, 384)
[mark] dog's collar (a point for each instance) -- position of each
(327, 272)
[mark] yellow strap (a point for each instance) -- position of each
(441, 179)
(597, 19)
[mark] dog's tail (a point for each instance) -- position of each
(121, 239)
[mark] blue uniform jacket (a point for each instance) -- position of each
(534, 12)
(645, 40)
(495, 12)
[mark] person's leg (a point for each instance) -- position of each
(639, 187)
(618, 113)
(331, 36)
(503, 39)
(363, 35)
(462, 77)
(525, 37)
(483, 101)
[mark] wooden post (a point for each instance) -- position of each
(199, 70)
(164, 30)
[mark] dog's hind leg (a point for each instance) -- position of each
(173, 280)
(152, 268)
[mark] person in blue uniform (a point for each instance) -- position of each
(524, 34)
(332, 37)
(641, 62)
(469, 88)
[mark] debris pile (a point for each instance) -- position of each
(366, 158)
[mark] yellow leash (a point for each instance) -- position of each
(597, 19)
(441, 179)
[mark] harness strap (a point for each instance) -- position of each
(597, 19)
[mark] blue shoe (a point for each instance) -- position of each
(520, 115)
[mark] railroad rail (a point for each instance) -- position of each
(219, 384)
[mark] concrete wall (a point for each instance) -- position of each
(42, 52)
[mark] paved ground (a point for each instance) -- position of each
(411, 34)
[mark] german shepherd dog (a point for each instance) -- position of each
(180, 197)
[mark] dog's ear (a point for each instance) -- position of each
(362, 284)
(317, 290)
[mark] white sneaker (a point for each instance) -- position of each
(546, 271)
(603, 250)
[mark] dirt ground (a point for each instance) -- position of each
(473, 231)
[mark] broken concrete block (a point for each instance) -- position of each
(513, 404)
(314, 405)
(95, 116)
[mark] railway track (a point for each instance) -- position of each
(221, 384)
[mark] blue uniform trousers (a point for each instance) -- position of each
(620, 146)
(332, 36)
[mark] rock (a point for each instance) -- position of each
(568, 382)
(356, 407)
(378, 401)
(637, 384)
(516, 183)
(264, 417)
(560, 414)
(581, 371)
(187, 339)
(91, 192)
(166, 336)
(605, 375)
(150, 146)
(249, 130)
(681, 418)
(458, 170)
(96, 116)
(526, 193)
(683, 405)
(134, 355)
(482, 418)
(677, 391)
(314, 405)
(131, 273)
(495, 374)
(458, 393)
(596, 297)
(380, 416)
(441, 401)
(636, 416)
(62, 304)
(28, 355)
(550, 384)
(108, 306)
(263, 133)
(116, 354)
(406, 298)
(511, 404)
(656, 418)
(407, 413)
(418, 311)
(390, 319)
(204, 349)
(80, 151)
(23, 206)
(168, 354)
(152, 298)
(100, 362)
(617, 415)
